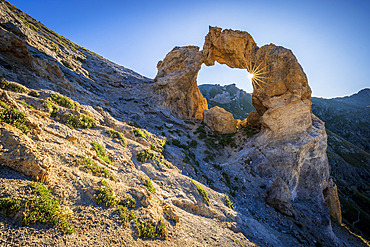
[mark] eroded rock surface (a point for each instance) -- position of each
(176, 81)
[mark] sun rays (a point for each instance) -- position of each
(257, 74)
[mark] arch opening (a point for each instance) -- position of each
(229, 88)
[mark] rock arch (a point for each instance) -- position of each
(281, 94)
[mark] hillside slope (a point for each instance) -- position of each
(88, 157)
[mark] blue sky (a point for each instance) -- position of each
(329, 38)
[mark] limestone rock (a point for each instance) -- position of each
(332, 200)
(278, 79)
(253, 120)
(219, 120)
(21, 154)
(176, 82)
(279, 196)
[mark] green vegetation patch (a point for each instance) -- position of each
(124, 214)
(100, 152)
(150, 186)
(10, 86)
(117, 136)
(64, 101)
(25, 104)
(44, 208)
(90, 166)
(52, 108)
(149, 230)
(201, 191)
(127, 202)
(82, 121)
(145, 155)
(104, 195)
(14, 117)
(10, 206)
(228, 202)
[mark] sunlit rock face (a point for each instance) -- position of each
(278, 79)
(176, 81)
(220, 120)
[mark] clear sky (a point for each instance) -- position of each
(330, 38)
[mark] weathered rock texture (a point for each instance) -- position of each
(279, 196)
(220, 120)
(281, 93)
(177, 82)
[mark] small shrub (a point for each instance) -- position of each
(82, 121)
(104, 195)
(150, 186)
(124, 214)
(249, 131)
(177, 143)
(149, 230)
(139, 133)
(227, 179)
(228, 202)
(14, 117)
(10, 86)
(52, 108)
(100, 152)
(133, 124)
(145, 155)
(92, 167)
(3, 105)
(193, 144)
(64, 101)
(45, 209)
(202, 192)
(127, 202)
(25, 104)
(117, 136)
(34, 93)
(10, 206)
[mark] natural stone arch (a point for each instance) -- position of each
(281, 94)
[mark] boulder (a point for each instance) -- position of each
(279, 197)
(220, 121)
(253, 120)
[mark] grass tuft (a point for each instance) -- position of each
(10, 206)
(150, 186)
(64, 101)
(148, 230)
(228, 202)
(90, 166)
(202, 192)
(100, 152)
(117, 136)
(14, 117)
(145, 155)
(82, 121)
(105, 195)
(10, 86)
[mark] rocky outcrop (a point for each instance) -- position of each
(279, 83)
(219, 120)
(176, 82)
(332, 200)
(20, 153)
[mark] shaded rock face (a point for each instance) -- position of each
(176, 81)
(279, 196)
(220, 120)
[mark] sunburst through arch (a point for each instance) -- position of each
(257, 74)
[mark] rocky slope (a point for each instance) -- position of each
(349, 163)
(124, 160)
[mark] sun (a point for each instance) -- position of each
(257, 74)
(250, 76)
